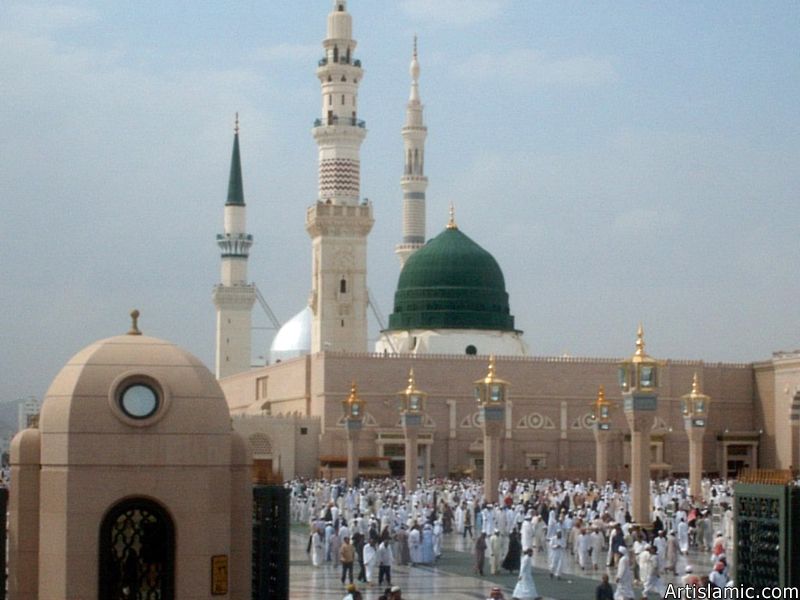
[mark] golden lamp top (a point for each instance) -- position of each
(491, 376)
(601, 398)
(695, 394)
(411, 390)
(640, 356)
(353, 397)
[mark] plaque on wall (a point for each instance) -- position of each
(219, 575)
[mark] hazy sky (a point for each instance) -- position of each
(623, 161)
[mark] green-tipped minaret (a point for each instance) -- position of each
(235, 186)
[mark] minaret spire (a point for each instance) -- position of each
(339, 221)
(235, 185)
(234, 296)
(413, 182)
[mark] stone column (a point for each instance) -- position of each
(601, 438)
(640, 424)
(427, 465)
(353, 433)
(411, 425)
(493, 420)
(695, 459)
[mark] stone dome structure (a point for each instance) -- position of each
(89, 390)
(134, 452)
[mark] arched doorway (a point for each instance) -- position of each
(137, 552)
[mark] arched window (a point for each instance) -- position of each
(336, 54)
(343, 286)
(471, 350)
(137, 552)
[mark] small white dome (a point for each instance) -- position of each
(293, 339)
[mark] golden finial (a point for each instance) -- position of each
(492, 368)
(695, 385)
(451, 224)
(134, 323)
(353, 397)
(640, 341)
(415, 45)
(411, 382)
(601, 395)
(236, 124)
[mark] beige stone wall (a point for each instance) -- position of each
(764, 383)
(550, 403)
(777, 382)
(294, 441)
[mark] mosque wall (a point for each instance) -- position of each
(549, 414)
(764, 376)
(777, 384)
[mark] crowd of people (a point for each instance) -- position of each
(366, 529)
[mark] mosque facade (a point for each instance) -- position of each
(451, 311)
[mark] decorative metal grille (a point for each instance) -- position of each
(137, 553)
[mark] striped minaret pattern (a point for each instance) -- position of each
(339, 221)
(413, 182)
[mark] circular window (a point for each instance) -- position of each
(139, 401)
(472, 350)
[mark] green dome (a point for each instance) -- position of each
(451, 283)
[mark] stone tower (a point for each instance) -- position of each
(339, 222)
(234, 296)
(413, 182)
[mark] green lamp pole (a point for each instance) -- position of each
(491, 395)
(412, 407)
(695, 419)
(638, 378)
(354, 418)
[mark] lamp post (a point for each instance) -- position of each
(491, 394)
(694, 406)
(601, 415)
(412, 407)
(638, 378)
(353, 408)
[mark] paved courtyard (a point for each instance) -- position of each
(452, 577)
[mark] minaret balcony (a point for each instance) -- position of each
(334, 120)
(343, 60)
(235, 244)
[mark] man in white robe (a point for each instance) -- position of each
(624, 577)
(370, 561)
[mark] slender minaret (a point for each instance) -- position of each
(413, 182)
(234, 296)
(339, 222)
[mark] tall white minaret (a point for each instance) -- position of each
(234, 296)
(413, 182)
(339, 222)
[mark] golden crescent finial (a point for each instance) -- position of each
(451, 224)
(695, 384)
(134, 323)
